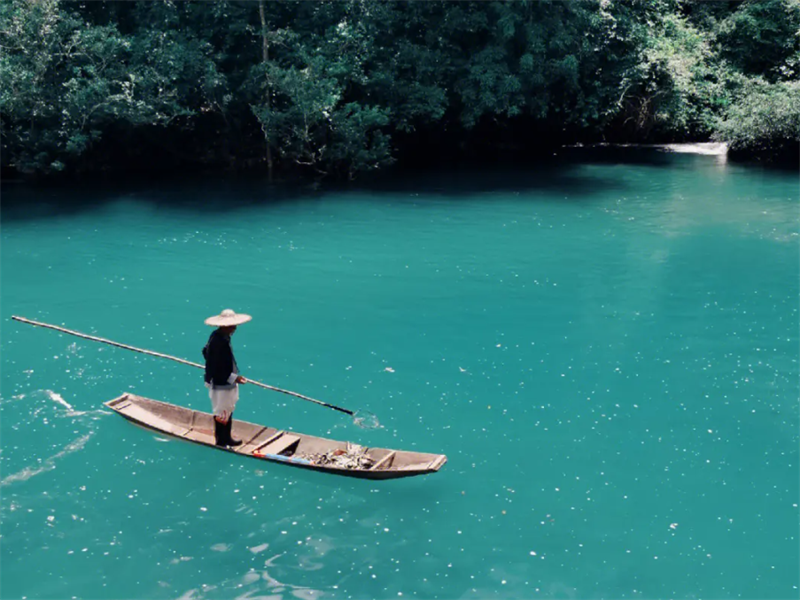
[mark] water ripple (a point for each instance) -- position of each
(49, 463)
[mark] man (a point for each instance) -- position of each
(222, 375)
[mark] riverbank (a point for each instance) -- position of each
(555, 159)
(704, 148)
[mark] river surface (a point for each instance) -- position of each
(606, 350)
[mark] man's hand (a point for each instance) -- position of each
(241, 379)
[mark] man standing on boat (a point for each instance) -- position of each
(222, 374)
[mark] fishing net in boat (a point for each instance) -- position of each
(352, 457)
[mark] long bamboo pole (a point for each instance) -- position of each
(175, 358)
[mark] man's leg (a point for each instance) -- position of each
(220, 437)
(228, 435)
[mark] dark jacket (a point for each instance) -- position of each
(220, 363)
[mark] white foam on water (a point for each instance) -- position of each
(706, 148)
(366, 420)
(71, 412)
(251, 577)
(49, 463)
(10, 399)
(299, 591)
(56, 397)
(306, 593)
(259, 548)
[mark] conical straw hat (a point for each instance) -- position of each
(228, 318)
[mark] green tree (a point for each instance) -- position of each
(760, 36)
(677, 83)
(764, 119)
(63, 82)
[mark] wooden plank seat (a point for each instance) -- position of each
(198, 434)
(384, 462)
(249, 443)
(280, 442)
(263, 436)
(191, 426)
(436, 463)
(119, 403)
(269, 440)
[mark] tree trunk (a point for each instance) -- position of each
(265, 58)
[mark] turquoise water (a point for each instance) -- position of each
(606, 351)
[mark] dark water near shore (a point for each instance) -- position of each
(606, 351)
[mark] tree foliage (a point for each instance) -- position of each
(765, 118)
(341, 88)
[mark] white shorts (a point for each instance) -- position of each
(223, 402)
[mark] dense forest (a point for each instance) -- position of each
(339, 88)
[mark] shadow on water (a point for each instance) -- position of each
(460, 184)
(215, 195)
(563, 174)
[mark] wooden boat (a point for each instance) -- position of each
(270, 444)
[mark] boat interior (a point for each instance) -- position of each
(259, 440)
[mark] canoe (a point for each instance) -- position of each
(275, 445)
